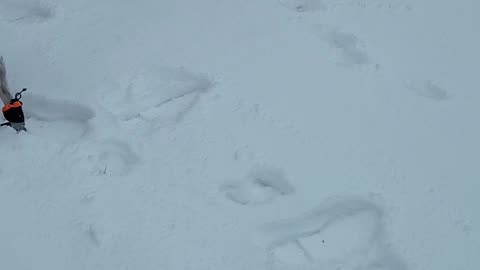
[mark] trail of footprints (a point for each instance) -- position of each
(341, 233)
(93, 136)
(350, 50)
(152, 98)
(346, 233)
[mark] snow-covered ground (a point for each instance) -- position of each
(227, 134)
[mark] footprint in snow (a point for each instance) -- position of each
(29, 11)
(428, 89)
(344, 234)
(303, 5)
(66, 123)
(261, 186)
(349, 47)
(156, 95)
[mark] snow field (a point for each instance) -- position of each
(280, 134)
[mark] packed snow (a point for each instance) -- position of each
(278, 135)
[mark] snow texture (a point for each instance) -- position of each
(277, 135)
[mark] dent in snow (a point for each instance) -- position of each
(344, 234)
(30, 11)
(303, 5)
(262, 185)
(428, 89)
(157, 95)
(351, 50)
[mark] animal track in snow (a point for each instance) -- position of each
(157, 95)
(344, 234)
(26, 11)
(303, 5)
(261, 186)
(350, 48)
(428, 89)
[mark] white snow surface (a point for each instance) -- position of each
(228, 134)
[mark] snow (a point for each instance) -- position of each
(261, 186)
(281, 134)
